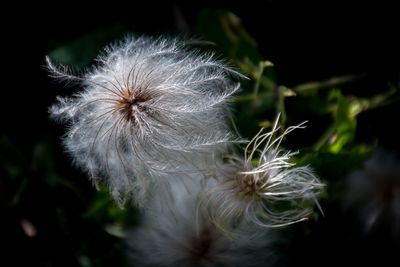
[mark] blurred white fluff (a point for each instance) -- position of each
(182, 236)
(373, 193)
(255, 186)
(151, 108)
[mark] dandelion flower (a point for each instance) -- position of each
(264, 187)
(182, 236)
(151, 107)
(373, 193)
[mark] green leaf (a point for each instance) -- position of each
(226, 30)
(12, 160)
(345, 125)
(81, 51)
(103, 208)
(334, 165)
(333, 82)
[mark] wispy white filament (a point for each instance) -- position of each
(151, 108)
(263, 188)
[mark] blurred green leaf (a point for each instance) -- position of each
(100, 205)
(333, 166)
(80, 52)
(18, 193)
(226, 30)
(333, 82)
(345, 125)
(84, 261)
(259, 74)
(104, 209)
(283, 92)
(13, 162)
(359, 105)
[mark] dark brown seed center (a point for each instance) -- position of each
(126, 106)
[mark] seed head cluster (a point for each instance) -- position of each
(151, 108)
(262, 181)
(185, 237)
(151, 122)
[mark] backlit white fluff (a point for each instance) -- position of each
(372, 193)
(151, 108)
(263, 188)
(182, 236)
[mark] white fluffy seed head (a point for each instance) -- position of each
(183, 236)
(372, 193)
(151, 108)
(263, 188)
